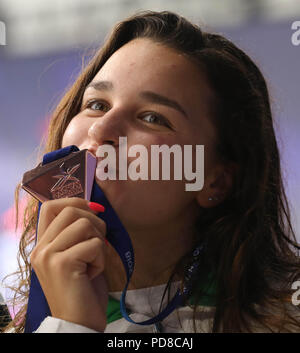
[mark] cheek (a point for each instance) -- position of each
(76, 133)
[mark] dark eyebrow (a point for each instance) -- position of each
(101, 85)
(159, 99)
(147, 95)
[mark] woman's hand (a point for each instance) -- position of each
(69, 261)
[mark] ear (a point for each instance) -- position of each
(217, 186)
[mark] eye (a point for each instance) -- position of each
(97, 105)
(152, 118)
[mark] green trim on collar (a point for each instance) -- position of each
(207, 298)
(205, 291)
(113, 311)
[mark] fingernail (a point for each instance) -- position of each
(94, 206)
(106, 241)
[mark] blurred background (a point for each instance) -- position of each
(46, 43)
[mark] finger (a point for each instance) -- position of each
(80, 230)
(50, 209)
(88, 257)
(66, 217)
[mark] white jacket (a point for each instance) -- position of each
(143, 304)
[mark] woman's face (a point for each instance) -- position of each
(152, 95)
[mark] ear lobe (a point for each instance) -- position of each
(217, 186)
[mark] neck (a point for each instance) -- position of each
(156, 252)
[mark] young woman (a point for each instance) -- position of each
(162, 80)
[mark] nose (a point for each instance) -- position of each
(107, 129)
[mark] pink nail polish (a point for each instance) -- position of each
(94, 206)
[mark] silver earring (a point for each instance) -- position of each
(213, 198)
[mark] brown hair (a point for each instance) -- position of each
(251, 246)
